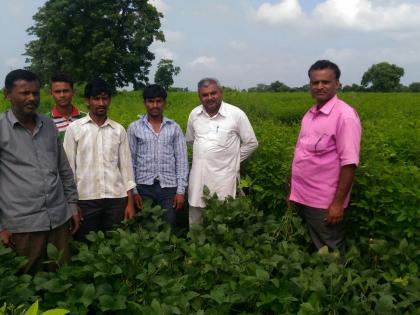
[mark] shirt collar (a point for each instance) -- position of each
(88, 119)
(56, 114)
(222, 110)
(13, 120)
(143, 118)
(327, 108)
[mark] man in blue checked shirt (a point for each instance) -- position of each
(159, 154)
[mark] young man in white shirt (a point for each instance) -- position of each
(99, 155)
(222, 138)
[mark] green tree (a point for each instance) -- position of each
(414, 87)
(87, 38)
(278, 86)
(165, 73)
(382, 77)
(261, 87)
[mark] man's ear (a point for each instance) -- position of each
(6, 93)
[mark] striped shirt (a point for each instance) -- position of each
(160, 156)
(62, 122)
(100, 159)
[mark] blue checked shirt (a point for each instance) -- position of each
(160, 156)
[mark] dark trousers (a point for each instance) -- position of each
(33, 246)
(163, 197)
(322, 233)
(100, 215)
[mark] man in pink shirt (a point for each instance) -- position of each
(325, 159)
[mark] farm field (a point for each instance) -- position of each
(252, 255)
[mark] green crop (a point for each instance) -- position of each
(252, 255)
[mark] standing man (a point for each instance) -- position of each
(63, 112)
(38, 196)
(222, 138)
(98, 152)
(325, 158)
(159, 155)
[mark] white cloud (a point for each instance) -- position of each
(14, 63)
(238, 45)
(338, 55)
(204, 61)
(173, 36)
(368, 15)
(359, 15)
(162, 52)
(283, 12)
(160, 5)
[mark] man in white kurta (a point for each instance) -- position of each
(222, 138)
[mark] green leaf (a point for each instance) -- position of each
(56, 311)
(33, 309)
(52, 252)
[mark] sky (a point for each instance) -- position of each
(247, 42)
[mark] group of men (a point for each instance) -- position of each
(78, 172)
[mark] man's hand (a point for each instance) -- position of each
(75, 223)
(335, 214)
(6, 238)
(129, 211)
(138, 201)
(178, 201)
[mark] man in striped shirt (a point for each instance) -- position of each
(63, 112)
(98, 153)
(159, 155)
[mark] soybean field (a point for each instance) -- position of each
(252, 255)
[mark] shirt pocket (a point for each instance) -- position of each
(223, 137)
(111, 148)
(319, 144)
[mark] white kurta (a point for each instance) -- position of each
(220, 143)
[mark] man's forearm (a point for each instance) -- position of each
(344, 184)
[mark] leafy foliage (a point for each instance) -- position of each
(383, 77)
(252, 255)
(165, 73)
(95, 37)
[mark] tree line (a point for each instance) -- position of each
(381, 77)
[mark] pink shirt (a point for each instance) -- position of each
(329, 139)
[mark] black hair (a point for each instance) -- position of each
(19, 74)
(154, 91)
(325, 64)
(61, 77)
(96, 87)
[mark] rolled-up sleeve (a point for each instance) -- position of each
(249, 142)
(125, 162)
(348, 140)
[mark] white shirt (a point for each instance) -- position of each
(100, 159)
(220, 144)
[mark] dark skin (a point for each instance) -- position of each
(323, 86)
(24, 98)
(155, 107)
(62, 93)
(98, 111)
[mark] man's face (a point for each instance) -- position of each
(62, 93)
(211, 98)
(323, 85)
(155, 106)
(24, 97)
(98, 105)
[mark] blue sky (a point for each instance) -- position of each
(246, 42)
